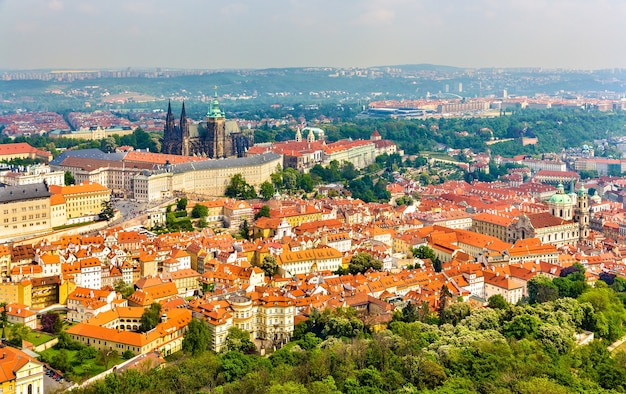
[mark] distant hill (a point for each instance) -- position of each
(428, 67)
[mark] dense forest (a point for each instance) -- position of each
(555, 129)
(503, 348)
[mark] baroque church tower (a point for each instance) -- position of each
(582, 212)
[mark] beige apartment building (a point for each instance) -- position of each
(24, 211)
(208, 178)
(83, 202)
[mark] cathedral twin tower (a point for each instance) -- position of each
(214, 138)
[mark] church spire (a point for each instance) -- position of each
(184, 123)
(169, 122)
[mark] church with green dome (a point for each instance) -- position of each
(565, 223)
(561, 204)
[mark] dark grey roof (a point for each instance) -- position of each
(25, 192)
(88, 154)
(225, 163)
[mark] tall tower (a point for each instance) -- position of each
(169, 132)
(216, 130)
(582, 212)
(184, 132)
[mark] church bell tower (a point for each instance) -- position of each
(216, 130)
(582, 212)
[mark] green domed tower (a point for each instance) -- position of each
(216, 130)
(561, 204)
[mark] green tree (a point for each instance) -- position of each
(496, 301)
(61, 361)
(290, 179)
(108, 212)
(238, 340)
(454, 313)
(361, 262)
(263, 212)
(245, 230)
(277, 177)
(105, 356)
(267, 190)
(269, 266)
(150, 317)
(202, 223)
(108, 144)
(197, 337)
(66, 342)
(200, 211)
(86, 353)
(181, 204)
(287, 388)
(541, 289)
(17, 333)
(239, 188)
(123, 288)
(444, 300)
(306, 182)
(3, 316)
(404, 200)
(69, 178)
(522, 326)
(424, 252)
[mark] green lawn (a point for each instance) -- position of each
(87, 369)
(38, 338)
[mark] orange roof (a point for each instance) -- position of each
(11, 362)
(85, 187)
(176, 319)
(20, 147)
(57, 199)
(159, 158)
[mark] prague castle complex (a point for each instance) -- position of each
(214, 138)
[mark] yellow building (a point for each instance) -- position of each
(209, 177)
(24, 210)
(83, 200)
(19, 373)
(22, 150)
(275, 317)
(112, 330)
(490, 224)
(5, 261)
(45, 291)
(296, 215)
(186, 281)
(58, 215)
(18, 292)
(92, 133)
(309, 260)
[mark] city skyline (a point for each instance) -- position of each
(71, 34)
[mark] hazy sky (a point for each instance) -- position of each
(80, 34)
